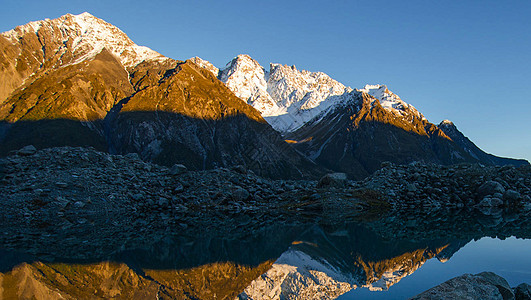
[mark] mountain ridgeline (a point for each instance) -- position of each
(79, 81)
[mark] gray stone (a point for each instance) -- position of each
(511, 196)
(79, 204)
(240, 194)
(179, 188)
(497, 195)
(490, 188)
(386, 164)
(490, 202)
(240, 169)
(132, 156)
(178, 169)
(163, 201)
(523, 292)
(485, 286)
(500, 283)
(61, 184)
(411, 188)
(27, 150)
(333, 180)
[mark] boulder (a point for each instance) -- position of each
(485, 286)
(240, 194)
(522, 292)
(337, 180)
(490, 188)
(27, 150)
(511, 196)
(178, 169)
(490, 202)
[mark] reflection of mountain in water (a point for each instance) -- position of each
(328, 262)
(297, 261)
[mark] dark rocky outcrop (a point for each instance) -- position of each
(485, 285)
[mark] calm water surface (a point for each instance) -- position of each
(394, 256)
(509, 258)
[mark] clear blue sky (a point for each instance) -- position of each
(467, 61)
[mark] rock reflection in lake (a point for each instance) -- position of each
(291, 260)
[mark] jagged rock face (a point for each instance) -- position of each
(248, 80)
(451, 131)
(285, 96)
(391, 102)
(65, 106)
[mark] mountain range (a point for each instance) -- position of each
(78, 80)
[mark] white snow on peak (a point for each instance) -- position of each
(86, 36)
(205, 64)
(286, 97)
(447, 122)
(247, 79)
(390, 101)
(296, 275)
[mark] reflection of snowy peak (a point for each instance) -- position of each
(83, 37)
(390, 101)
(286, 97)
(296, 275)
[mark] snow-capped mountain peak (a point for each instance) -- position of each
(390, 101)
(85, 36)
(286, 97)
(247, 79)
(447, 123)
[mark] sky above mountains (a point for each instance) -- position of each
(467, 61)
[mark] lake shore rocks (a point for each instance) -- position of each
(484, 286)
(80, 195)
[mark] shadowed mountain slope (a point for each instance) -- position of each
(357, 137)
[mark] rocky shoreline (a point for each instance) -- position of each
(66, 204)
(83, 192)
